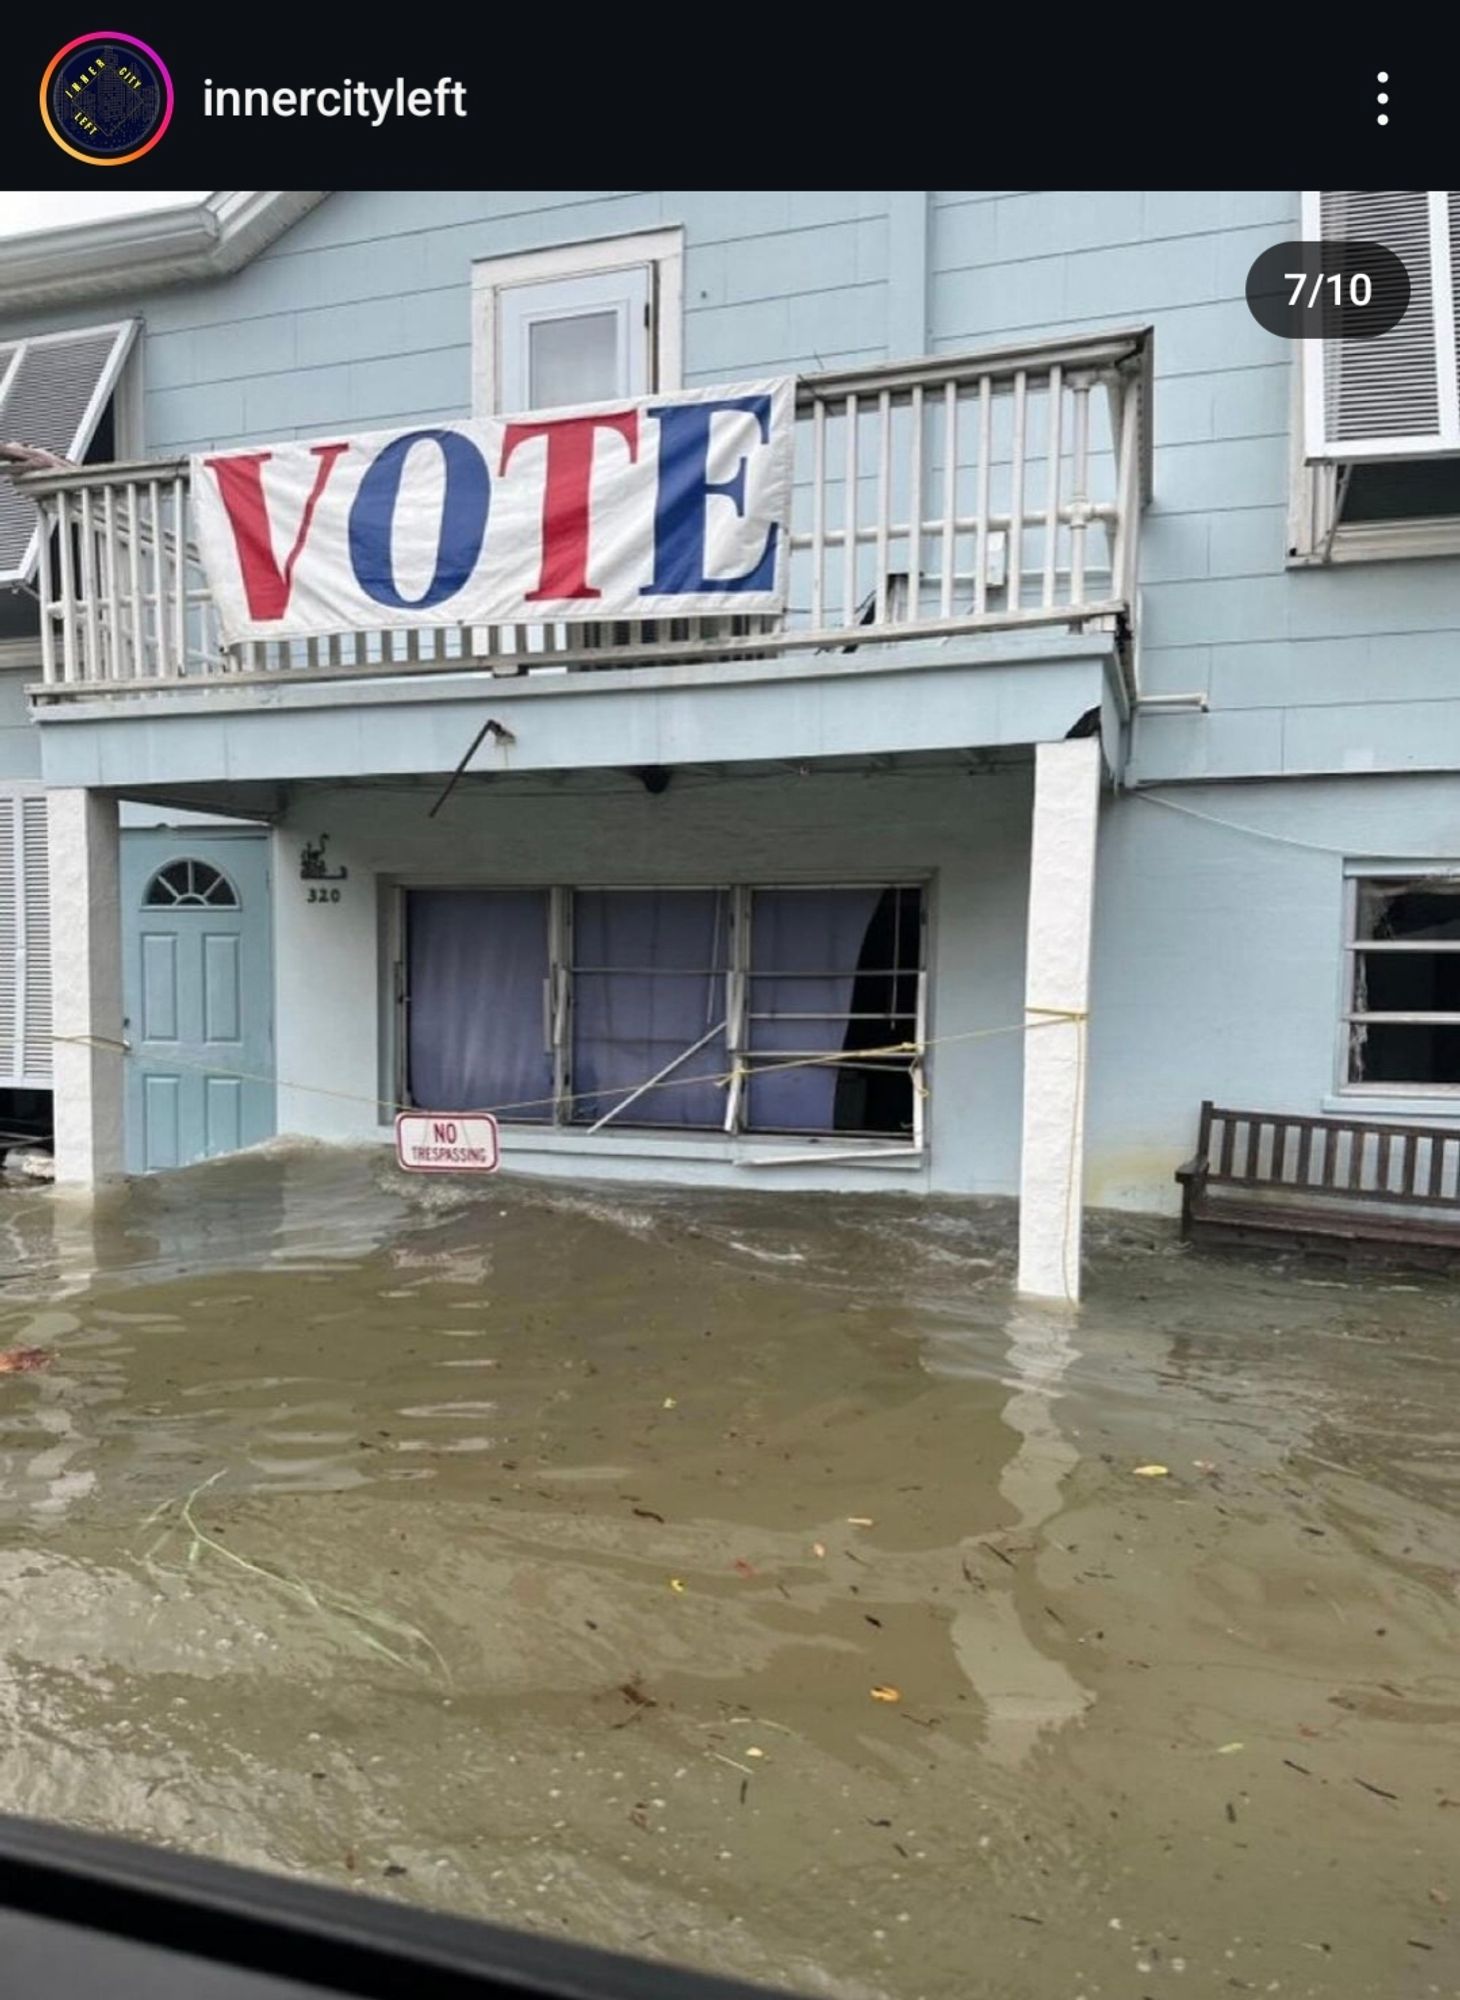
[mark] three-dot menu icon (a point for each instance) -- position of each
(1383, 97)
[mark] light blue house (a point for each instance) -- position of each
(1103, 761)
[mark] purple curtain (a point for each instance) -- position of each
(804, 949)
(648, 982)
(476, 962)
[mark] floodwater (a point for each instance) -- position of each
(555, 1554)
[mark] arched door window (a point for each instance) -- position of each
(190, 885)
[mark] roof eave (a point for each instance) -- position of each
(168, 246)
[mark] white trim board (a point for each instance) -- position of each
(167, 246)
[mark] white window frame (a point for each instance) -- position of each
(1316, 533)
(750, 1148)
(1356, 872)
(660, 250)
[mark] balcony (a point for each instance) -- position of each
(936, 500)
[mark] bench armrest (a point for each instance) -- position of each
(1194, 1170)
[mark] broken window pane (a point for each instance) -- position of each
(1413, 910)
(648, 985)
(477, 963)
(833, 971)
(1411, 927)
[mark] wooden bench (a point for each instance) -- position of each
(1344, 1185)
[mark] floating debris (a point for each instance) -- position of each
(886, 1694)
(19, 1360)
(676, 1584)
(1152, 1471)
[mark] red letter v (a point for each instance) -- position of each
(241, 489)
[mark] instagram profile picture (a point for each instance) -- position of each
(106, 99)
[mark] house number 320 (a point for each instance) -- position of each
(323, 896)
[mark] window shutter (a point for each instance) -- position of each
(53, 391)
(1398, 396)
(25, 944)
(12, 967)
(36, 882)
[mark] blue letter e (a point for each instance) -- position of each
(685, 489)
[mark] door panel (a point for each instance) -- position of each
(198, 989)
(222, 1002)
(159, 987)
(222, 1115)
(160, 1122)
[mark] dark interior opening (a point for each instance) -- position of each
(1413, 490)
(878, 1097)
(25, 1118)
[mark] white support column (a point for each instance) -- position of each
(86, 970)
(1057, 986)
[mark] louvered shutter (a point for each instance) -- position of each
(25, 943)
(12, 966)
(35, 1046)
(1397, 396)
(53, 391)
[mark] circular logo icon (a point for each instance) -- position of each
(106, 99)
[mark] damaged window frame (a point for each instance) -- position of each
(781, 1146)
(1356, 1017)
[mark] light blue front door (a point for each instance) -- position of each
(197, 995)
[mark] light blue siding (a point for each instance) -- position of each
(1214, 542)
(20, 750)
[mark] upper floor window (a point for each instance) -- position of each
(58, 393)
(1378, 472)
(584, 323)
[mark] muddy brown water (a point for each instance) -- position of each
(552, 1553)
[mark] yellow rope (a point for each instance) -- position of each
(1049, 1017)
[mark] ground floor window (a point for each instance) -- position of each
(476, 972)
(795, 1010)
(1403, 1014)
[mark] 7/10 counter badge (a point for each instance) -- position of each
(106, 99)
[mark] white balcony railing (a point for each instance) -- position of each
(1030, 468)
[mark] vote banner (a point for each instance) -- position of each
(669, 506)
